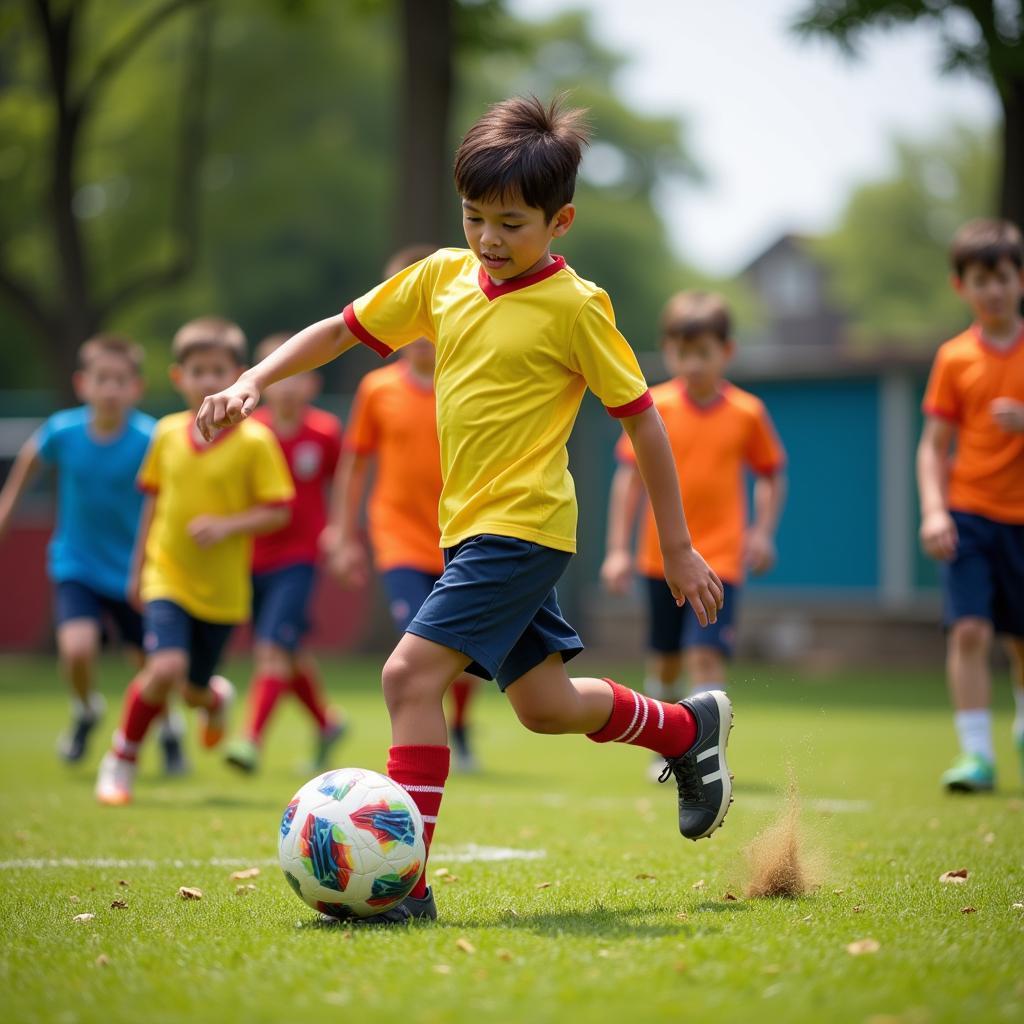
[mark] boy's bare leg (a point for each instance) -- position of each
(970, 686)
(663, 671)
(705, 668)
(1015, 650)
(78, 644)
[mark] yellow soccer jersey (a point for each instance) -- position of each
(243, 467)
(513, 361)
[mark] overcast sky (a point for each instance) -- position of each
(783, 128)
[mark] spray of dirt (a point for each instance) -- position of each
(780, 864)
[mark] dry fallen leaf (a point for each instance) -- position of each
(504, 954)
(442, 969)
(119, 905)
(968, 910)
(857, 909)
(241, 876)
(74, 899)
(807, 918)
(698, 885)
(680, 967)
(729, 898)
(82, 918)
(682, 916)
(188, 893)
(862, 946)
(103, 960)
(837, 892)
(441, 872)
(241, 890)
(543, 885)
(1017, 906)
(122, 883)
(957, 877)
(989, 837)
(644, 876)
(466, 946)
(771, 969)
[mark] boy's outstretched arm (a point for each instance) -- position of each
(938, 531)
(623, 502)
(348, 561)
(317, 344)
(23, 472)
(688, 576)
(759, 545)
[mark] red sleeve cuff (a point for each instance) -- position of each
(772, 469)
(631, 408)
(353, 324)
(942, 414)
(147, 488)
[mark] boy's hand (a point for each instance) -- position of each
(691, 579)
(133, 593)
(209, 530)
(938, 535)
(349, 565)
(759, 551)
(617, 571)
(1009, 414)
(227, 407)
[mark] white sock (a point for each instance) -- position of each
(1018, 718)
(704, 687)
(974, 730)
(660, 691)
(172, 725)
(92, 707)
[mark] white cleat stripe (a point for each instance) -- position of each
(710, 752)
(713, 777)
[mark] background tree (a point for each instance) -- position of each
(983, 37)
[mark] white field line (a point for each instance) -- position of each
(454, 855)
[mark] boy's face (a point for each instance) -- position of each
(993, 295)
(421, 356)
(108, 384)
(699, 361)
(287, 398)
(510, 238)
(204, 372)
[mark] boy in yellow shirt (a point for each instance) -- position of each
(519, 338)
(205, 501)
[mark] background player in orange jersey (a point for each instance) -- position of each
(284, 567)
(972, 505)
(393, 420)
(716, 431)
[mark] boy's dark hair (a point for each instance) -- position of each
(209, 332)
(521, 146)
(269, 343)
(406, 257)
(689, 314)
(111, 344)
(987, 241)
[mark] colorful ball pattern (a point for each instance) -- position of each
(351, 843)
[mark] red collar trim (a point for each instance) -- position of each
(705, 408)
(200, 449)
(493, 291)
(987, 345)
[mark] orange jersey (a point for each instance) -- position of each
(987, 473)
(394, 418)
(712, 445)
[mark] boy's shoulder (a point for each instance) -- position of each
(141, 423)
(76, 418)
(962, 348)
(742, 401)
(384, 378)
(320, 421)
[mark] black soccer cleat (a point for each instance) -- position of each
(701, 774)
(409, 910)
(71, 745)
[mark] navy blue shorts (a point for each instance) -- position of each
(407, 590)
(170, 627)
(673, 629)
(496, 603)
(280, 604)
(74, 600)
(985, 579)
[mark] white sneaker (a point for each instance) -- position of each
(115, 781)
(215, 722)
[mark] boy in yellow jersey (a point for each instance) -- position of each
(717, 432)
(205, 501)
(393, 422)
(519, 337)
(972, 504)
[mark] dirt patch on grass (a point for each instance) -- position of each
(779, 862)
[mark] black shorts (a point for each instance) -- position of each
(74, 600)
(673, 629)
(170, 627)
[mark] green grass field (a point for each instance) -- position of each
(600, 912)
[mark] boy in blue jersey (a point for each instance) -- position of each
(96, 449)
(519, 338)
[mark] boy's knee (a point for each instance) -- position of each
(706, 664)
(164, 670)
(78, 646)
(400, 681)
(272, 660)
(546, 721)
(971, 635)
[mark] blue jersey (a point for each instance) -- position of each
(98, 503)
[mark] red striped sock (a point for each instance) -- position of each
(306, 687)
(423, 772)
(667, 729)
(265, 692)
(462, 692)
(136, 717)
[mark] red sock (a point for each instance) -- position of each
(422, 771)
(667, 729)
(265, 692)
(136, 717)
(306, 687)
(462, 692)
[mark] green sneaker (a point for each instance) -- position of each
(243, 755)
(971, 773)
(1018, 742)
(325, 741)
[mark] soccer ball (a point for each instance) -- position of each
(351, 843)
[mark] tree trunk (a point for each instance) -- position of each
(1011, 193)
(424, 173)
